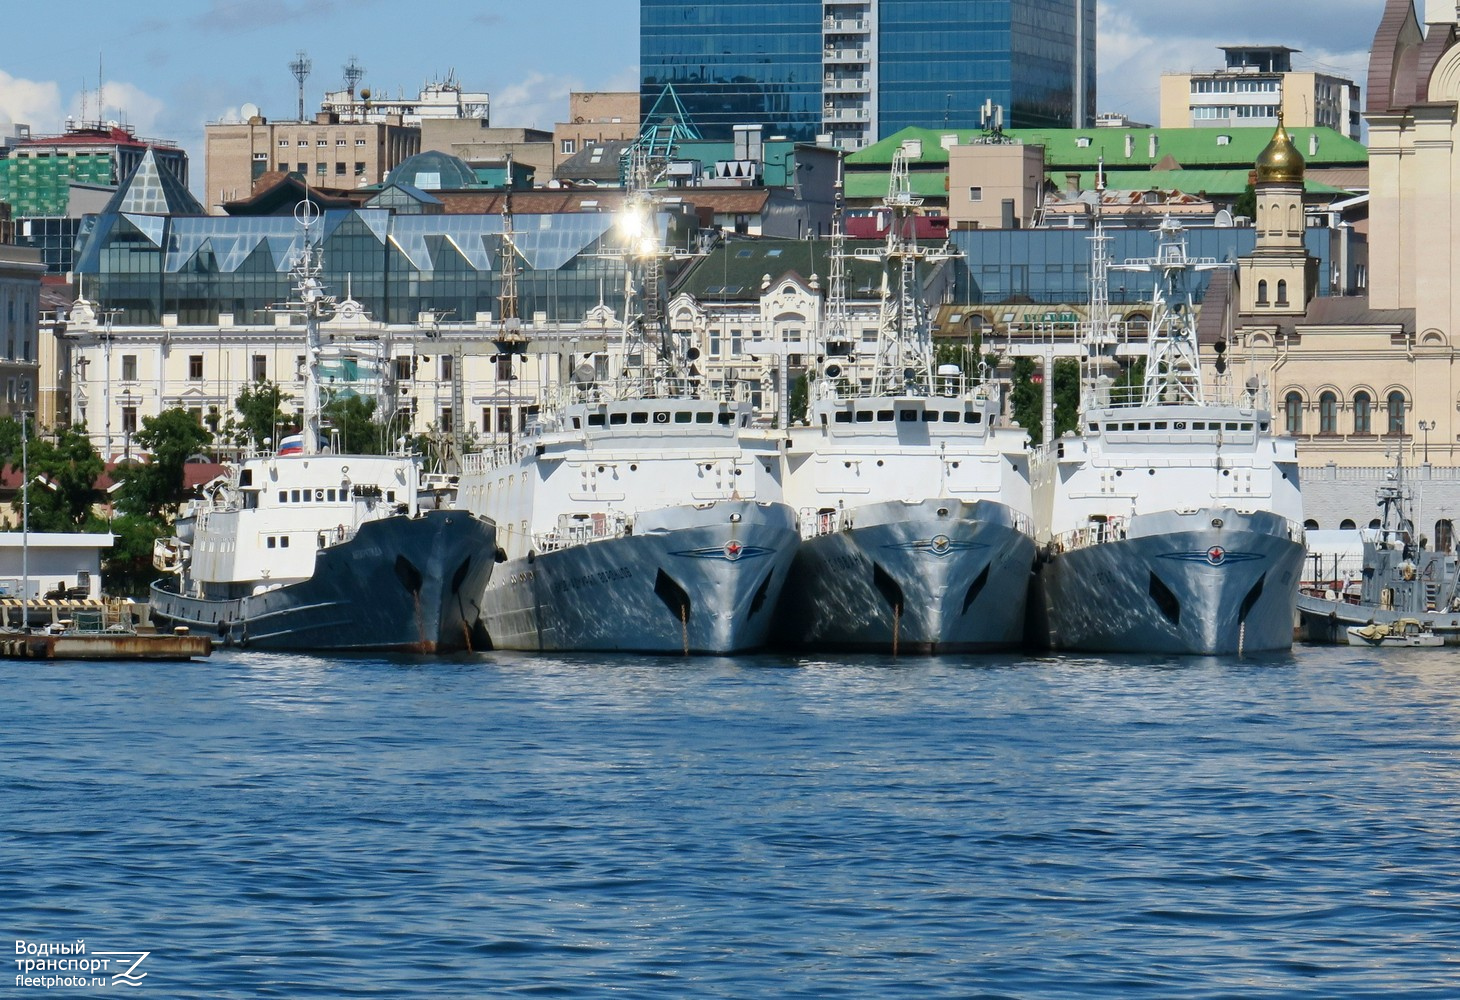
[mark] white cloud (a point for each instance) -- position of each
(37, 104)
(1140, 39)
(125, 103)
(538, 101)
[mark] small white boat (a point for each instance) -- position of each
(1403, 632)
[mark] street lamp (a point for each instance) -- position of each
(1427, 426)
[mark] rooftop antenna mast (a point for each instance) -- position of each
(300, 67)
(353, 72)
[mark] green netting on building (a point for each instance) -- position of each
(40, 185)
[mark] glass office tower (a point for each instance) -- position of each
(860, 70)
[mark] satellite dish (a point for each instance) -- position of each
(583, 374)
(249, 111)
(693, 354)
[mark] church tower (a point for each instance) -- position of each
(1279, 276)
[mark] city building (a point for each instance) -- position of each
(438, 99)
(20, 291)
(1258, 83)
(857, 71)
(51, 181)
(480, 145)
(1365, 382)
(595, 117)
(329, 152)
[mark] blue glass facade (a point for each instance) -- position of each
(1052, 266)
(933, 62)
(735, 62)
(939, 60)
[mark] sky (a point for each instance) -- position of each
(167, 67)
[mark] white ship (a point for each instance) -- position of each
(640, 513)
(302, 550)
(914, 506)
(1173, 525)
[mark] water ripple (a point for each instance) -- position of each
(503, 825)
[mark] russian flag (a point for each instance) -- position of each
(292, 445)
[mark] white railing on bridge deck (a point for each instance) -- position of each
(576, 529)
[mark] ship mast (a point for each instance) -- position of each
(1173, 366)
(1100, 325)
(904, 344)
(316, 306)
(646, 333)
(836, 338)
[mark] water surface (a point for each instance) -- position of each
(499, 825)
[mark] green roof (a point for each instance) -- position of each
(1076, 149)
(873, 184)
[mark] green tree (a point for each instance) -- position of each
(1129, 387)
(1066, 395)
(354, 418)
(154, 488)
(1027, 399)
(127, 567)
(261, 415)
(1246, 203)
(800, 397)
(63, 468)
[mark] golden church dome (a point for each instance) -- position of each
(1280, 162)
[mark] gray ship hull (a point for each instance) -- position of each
(402, 584)
(908, 578)
(688, 580)
(1176, 584)
(1327, 621)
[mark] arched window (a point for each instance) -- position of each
(1374, 523)
(1347, 524)
(1327, 413)
(1310, 525)
(1262, 292)
(1282, 298)
(1363, 419)
(1293, 411)
(1444, 535)
(1396, 412)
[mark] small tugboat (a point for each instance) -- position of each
(308, 550)
(1404, 632)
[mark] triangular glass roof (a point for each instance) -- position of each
(150, 190)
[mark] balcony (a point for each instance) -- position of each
(846, 85)
(845, 26)
(844, 54)
(833, 116)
